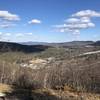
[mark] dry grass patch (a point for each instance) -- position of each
(4, 88)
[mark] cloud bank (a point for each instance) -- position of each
(78, 21)
(9, 16)
(7, 19)
(86, 13)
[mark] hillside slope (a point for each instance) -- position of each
(9, 46)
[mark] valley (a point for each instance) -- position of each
(57, 72)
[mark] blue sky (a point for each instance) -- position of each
(49, 20)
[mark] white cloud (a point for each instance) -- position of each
(4, 36)
(86, 13)
(91, 24)
(62, 30)
(8, 34)
(35, 21)
(9, 16)
(6, 25)
(74, 28)
(7, 19)
(78, 21)
(0, 33)
(23, 34)
(29, 33)
(72, 20)
(60, 26)
(19, 34)
(85, 20)
(80, 25)
(15, 34)
(76, 32)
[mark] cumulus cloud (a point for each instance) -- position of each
(78, 21)
(80, 25)
(0, 33)
(85, 20)
(8, 34)
(9, 16)
(15, 34)
(19, 34)
(7, 19)
(74, 28)
(6, 25)
(23, 34)
(29, 33)
(35, 21)
(72, 20)
(86, 13)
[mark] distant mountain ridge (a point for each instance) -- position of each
(29, 47)
(33, 43)
(73, 43)
(10, 46)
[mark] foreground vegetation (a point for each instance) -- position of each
(67, 77)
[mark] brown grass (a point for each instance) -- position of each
(5, 88)
(67, 93)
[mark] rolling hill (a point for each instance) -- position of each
(9, 46)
